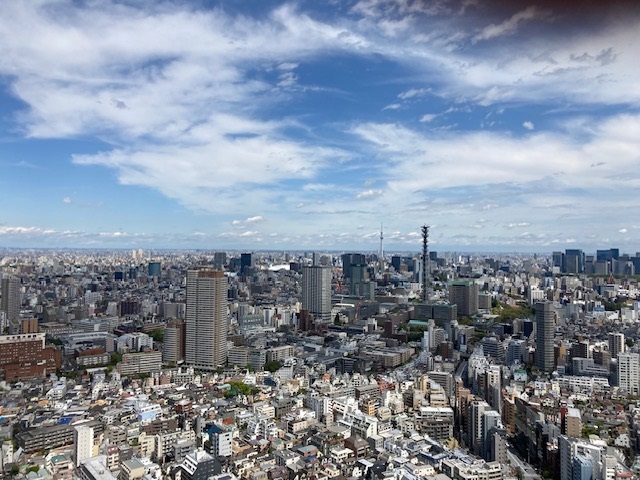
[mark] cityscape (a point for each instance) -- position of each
(319, 240)
(294, 365)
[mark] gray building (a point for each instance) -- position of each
(206, 322)
(545, 328)
(316, 292)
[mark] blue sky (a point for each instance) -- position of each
(506, 126)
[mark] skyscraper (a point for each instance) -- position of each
(11, 299)
(246, 262)
(316, 292)
(545, 329)
(206, 319)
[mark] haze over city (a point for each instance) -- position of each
(280, 125)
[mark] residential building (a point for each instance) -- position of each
(316, 292)
(206, 319)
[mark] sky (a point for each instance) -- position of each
(504, 125)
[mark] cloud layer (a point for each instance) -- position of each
(296, 124)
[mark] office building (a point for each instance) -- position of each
(582, 467)
(465, 296)
(545, 329)
(629, 372)
(246, 262)
(154, 269)
(219, 260)
(206, 319)
(349, 259)
(10, 299)
(574, 261)
(316, 292)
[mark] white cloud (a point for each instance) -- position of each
(471, 158)
(528, 125)
(369, 194)
(392, 106)
(256, 219)
(623, 230)
(511, 25)
(66, 200)
(413, 92)
(428, 117)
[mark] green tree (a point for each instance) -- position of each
(272, 366)
(116, 357)
(336, 320)
(157, 335)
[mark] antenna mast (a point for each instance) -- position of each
(425, 263)
(381, 253)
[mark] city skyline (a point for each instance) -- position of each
(279, 126)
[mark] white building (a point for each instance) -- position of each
(629, 372)
(83, 441)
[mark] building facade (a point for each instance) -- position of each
(545, 328)
(206, 319)
(316, 292)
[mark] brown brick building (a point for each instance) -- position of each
(25, 356)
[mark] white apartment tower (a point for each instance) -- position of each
(629, 372)
(83, 443)
(316, 292)
(206, 319)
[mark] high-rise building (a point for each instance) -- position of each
(10, 299)
(349, 259)
(219, 260)
(465, 296)
(491, 420)
(545, 329)
(557, 259)
(358, 279)
(246, 262)
(574, 260)
(475, 430)
(316, 292)
(173, 345)
(582, 467)
(616, 344)
(154, 269)
(629, 372)
(83, 442)
(206, 318)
